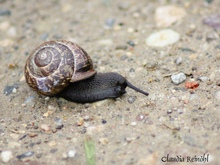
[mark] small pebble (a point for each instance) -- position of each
(103, 141)
(52, 151)
(86, 118)
(14, 90)
(213, 21)
(132, 99)
(162, 38)
(94, 129)
(9, 89)
(52, 143)
(212, 36)
(5, 12)
(203, 78)
(6, 156)
(45, 127)
(51, 107)
(179, 60)
(27, 154)
(80, 121)
(121, 47)
(12, 32)
(178, 78)
(104, 121)
(130, 30)
(167, 15)
(71, 153)
(131, 43)
(130, 139)
(141, 117)
(105, 42)
(48, 113)
(109, 23)
(180, 111)
(58, 120)
(134, 123)
(29, 101)
(169, 111)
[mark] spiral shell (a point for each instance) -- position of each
(54, 64)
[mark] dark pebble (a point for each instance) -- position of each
(132, 99)
(209, 1)
(21, 138)
(218, 82)
(8, 89)
(59, 126)
(52, 151)
(104, 121)
(32, 144)
(187, 50)
(26, 154)
(5, 12)
(131, 43)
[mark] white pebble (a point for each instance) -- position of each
(12, 32)
(178, 78)
(203, 78)
(29, 100)
(179, 60)
(14, 90)
(162, 38)
(71, 153)
(167, 15)
(6, 156)
(105, 42)
(51, 107)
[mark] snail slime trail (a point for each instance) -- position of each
(62, 68)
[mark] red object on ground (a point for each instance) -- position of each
(191, 85)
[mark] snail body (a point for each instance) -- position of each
(62, 68)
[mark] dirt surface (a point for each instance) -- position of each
(173, 121)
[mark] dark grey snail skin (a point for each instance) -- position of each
(98, 87)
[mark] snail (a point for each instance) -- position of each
(63, 69)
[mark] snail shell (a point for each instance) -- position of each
(54, 64)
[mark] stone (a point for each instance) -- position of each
(178, 78)
(162, 38)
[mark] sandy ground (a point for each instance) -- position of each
(172, 121)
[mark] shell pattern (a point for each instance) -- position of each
(54, 64)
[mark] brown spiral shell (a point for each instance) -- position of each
(54, 64)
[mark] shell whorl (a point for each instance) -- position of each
(54, 64)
